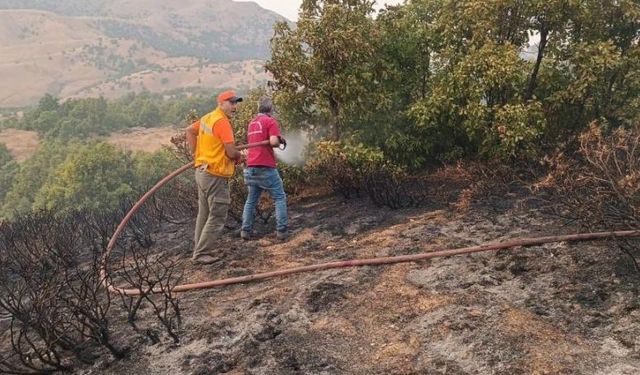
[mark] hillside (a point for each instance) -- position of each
(22, 143)
(77, 48)
(563, 308)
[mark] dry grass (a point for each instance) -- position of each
(21, 143)
(143, 139)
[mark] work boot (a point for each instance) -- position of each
(282, 236)
(245, 235)
(205, 259)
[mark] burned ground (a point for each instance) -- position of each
(560, 308)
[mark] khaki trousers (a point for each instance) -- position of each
(213, 206)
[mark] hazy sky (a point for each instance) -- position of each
(289, 8)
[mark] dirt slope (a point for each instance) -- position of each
(561, 308)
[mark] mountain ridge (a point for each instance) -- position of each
(65, 51)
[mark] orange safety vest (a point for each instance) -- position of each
(210, 149)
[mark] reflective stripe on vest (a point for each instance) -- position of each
(210, 149)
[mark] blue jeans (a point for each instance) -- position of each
(257, 180)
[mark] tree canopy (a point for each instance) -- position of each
(436, 80)
(82, 118)
(428, 81)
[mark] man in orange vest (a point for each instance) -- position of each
(215, 155)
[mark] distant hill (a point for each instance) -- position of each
(77, 48)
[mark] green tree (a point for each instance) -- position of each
(322, 64)
(406, 43)
(8, 169)
(149, 168)
(44, 122)
(96, 176)
(246, 111)
(478, 83)
(550, 20)
(74, 119)
(43, 117)
(8, 173)
(5, 155)
(468, 75)
(147, 114)
(31, 175)
(600, 63)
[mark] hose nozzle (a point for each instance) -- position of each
(283, 142)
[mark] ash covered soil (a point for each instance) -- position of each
(560, 308)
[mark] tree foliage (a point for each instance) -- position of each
(5, 155)
(424, 82)
(439, 80)
(90, 176)
(8, 168)
(82, 118)
(246, 111)
(31, 175)
(323, 65)
(95, 170)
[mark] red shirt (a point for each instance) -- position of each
(261, 128)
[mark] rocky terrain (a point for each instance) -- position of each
(561, 308)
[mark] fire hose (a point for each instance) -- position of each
(282, 146)
(516, 242)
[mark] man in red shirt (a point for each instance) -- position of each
(261, 173)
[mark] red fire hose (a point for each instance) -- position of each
(282, 146)
(250, 145)
(338, 264)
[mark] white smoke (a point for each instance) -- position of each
(297, 142)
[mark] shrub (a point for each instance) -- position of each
(340, 166)
(294, 178)
(354, 170)
(52, 292)
(600, 188)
